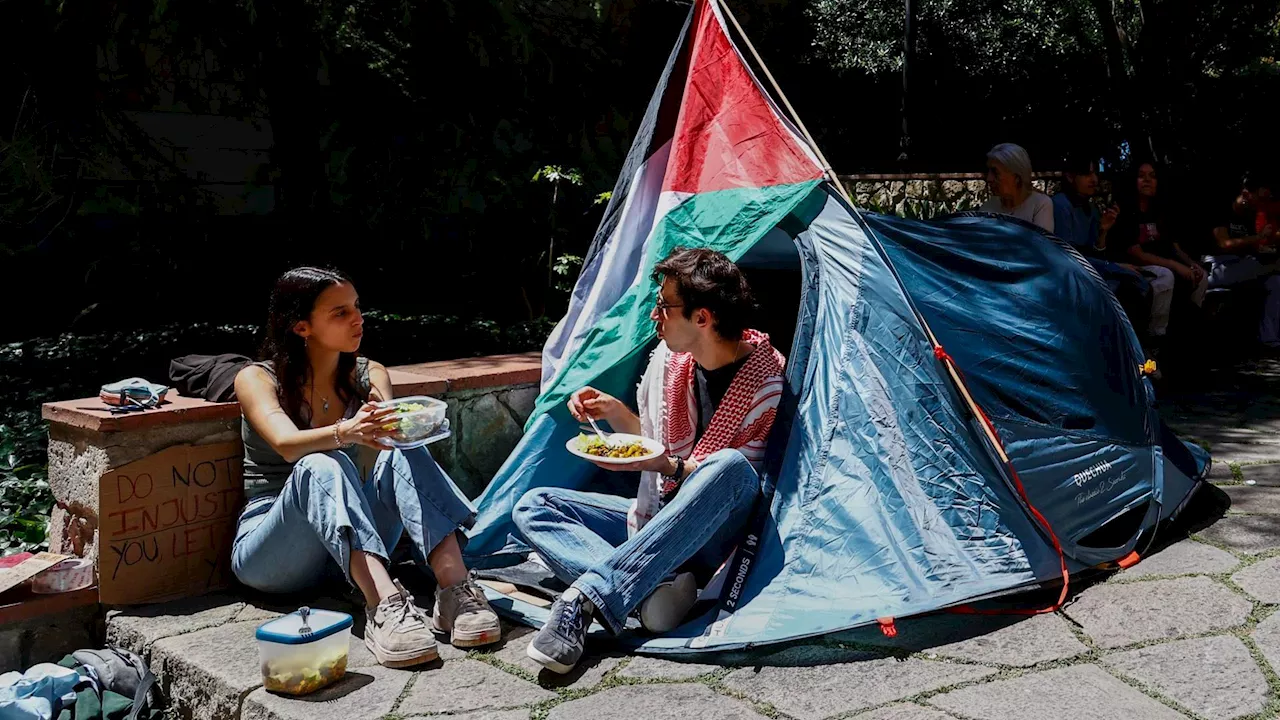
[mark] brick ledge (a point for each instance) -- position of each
(433, 378)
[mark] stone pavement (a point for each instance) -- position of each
(1190, 632)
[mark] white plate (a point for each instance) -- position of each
(654, 447)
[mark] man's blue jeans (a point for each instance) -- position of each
(288, 542)
(583, 536)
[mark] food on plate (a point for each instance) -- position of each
(593, 445)
(294, 679)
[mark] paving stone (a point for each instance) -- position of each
(369, 692)
(521, 714)
(1267, 637)
(1220, 472)
(1249, 534)
(1249, 447)
(1264, 475)
(1254, 499)
(1119, 614)
(258, 614)
(515, 641)
(1215, 676)
(207, 672)
(1006, 640)
(1261, 580)
(587, 674)
(655, 702)
(1182, 558)
(465, 685)
(909, 711)
(812, 693)
(648, 668)
(1082, 692)
(136, 628)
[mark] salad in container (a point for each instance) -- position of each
(419, 420)
(304, 651)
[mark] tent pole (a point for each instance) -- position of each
(826, 166)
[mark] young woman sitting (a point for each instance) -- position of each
(307, 406)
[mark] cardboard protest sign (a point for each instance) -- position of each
(166, 522)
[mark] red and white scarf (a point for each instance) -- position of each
(742, 421)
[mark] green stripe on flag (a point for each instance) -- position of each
(731, 221)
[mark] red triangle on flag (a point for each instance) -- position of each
(727, 134)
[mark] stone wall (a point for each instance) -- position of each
(486, 425)
(929, 195)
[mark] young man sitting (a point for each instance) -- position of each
(710, 394)
(1146, 300)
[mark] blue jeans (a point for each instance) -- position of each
(583, 536)
(287, 542)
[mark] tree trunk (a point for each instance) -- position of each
(1131, 120)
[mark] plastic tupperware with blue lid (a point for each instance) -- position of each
(304, 651)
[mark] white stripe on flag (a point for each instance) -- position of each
(615, 267)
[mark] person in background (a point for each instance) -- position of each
(1238, 242)
(1142, 237)
(1145, 295)
(1009, 182)
(307, 406)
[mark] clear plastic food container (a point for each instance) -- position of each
(304, 651)
(419, 420)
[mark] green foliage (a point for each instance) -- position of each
(566, 270)
(555, 175)
(25, 499)
(1055, 77)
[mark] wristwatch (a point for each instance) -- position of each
(679, 472)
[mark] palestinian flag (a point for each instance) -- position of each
(714, 164)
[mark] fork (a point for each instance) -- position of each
(601, 435)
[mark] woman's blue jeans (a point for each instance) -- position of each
(285, 543)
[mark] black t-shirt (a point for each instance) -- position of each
(709, 387)
(1239, 223)
(1144, 229)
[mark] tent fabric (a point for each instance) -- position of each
(885, 495)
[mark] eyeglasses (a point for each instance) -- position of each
(663, 306)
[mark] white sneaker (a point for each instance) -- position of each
(667, 605)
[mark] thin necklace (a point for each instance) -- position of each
(323, 400)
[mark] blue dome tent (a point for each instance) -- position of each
(965, 415)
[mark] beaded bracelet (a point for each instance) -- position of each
(337, 441)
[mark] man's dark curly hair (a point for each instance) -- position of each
(707, 279)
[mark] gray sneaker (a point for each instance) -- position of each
(559, 644)
(464, 614)
(396, 632)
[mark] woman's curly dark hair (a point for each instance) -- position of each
(708, 279)
(292, 300)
